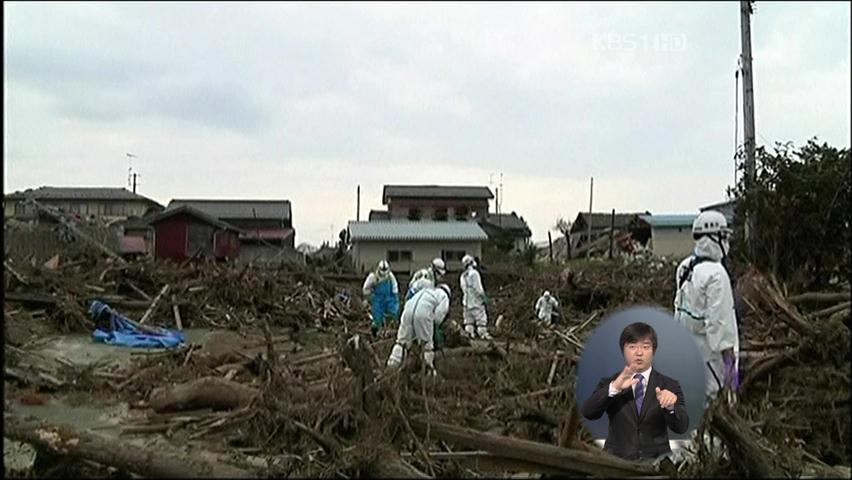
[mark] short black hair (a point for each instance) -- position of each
(637, 331)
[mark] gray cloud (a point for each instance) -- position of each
(353, 88)
(98, 87)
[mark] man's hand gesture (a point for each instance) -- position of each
(666, 398)
(624, 380)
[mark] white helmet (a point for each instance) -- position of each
(467, 261)
(439, 266)
(446, 289)
(546, 293)
(710, 221)
(383, 267)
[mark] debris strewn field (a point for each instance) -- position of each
(281, 377)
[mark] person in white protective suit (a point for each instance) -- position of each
(544, 307)
(422, 320)
(474, 300)
(426, 277)
(704, 303)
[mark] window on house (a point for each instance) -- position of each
(20, 209)
(440, 215)
(400, 256)
(452, 255)
(114, 209)
(80, 208)
(414, 214)
(462, 213)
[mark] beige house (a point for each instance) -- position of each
(434, 202)
(671, 235)
(410, 246)
(87, 202)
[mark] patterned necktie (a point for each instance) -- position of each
(639, 393)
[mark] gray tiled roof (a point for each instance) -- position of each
(435, 191)
(78, 193)
(416, 231)
(238, 209)
(507, 221)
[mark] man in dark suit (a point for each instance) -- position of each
(642, 404)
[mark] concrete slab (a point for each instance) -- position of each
(103, 418)
(82, 351)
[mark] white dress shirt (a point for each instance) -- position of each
(646, 377)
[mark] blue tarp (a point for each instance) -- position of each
(126, 332)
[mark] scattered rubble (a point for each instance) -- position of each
(282, 377)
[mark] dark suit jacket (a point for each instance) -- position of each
(635, 435)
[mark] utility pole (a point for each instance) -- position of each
(358, 206)
(130, 158)
(500, 202)
(497, 201)
(611, 232)
(491, 185)
(550, 245)
(589, 237)
(748, 118)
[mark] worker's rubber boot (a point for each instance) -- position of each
(469, 331)
(396, 356)
(483, 333)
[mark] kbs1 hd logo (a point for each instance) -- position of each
(636, 42)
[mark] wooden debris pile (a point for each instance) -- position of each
(271, 395)
(201, 294)
(791, 414)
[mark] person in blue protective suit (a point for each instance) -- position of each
(383, 291)
(426, 277)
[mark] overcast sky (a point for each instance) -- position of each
(306, 101)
